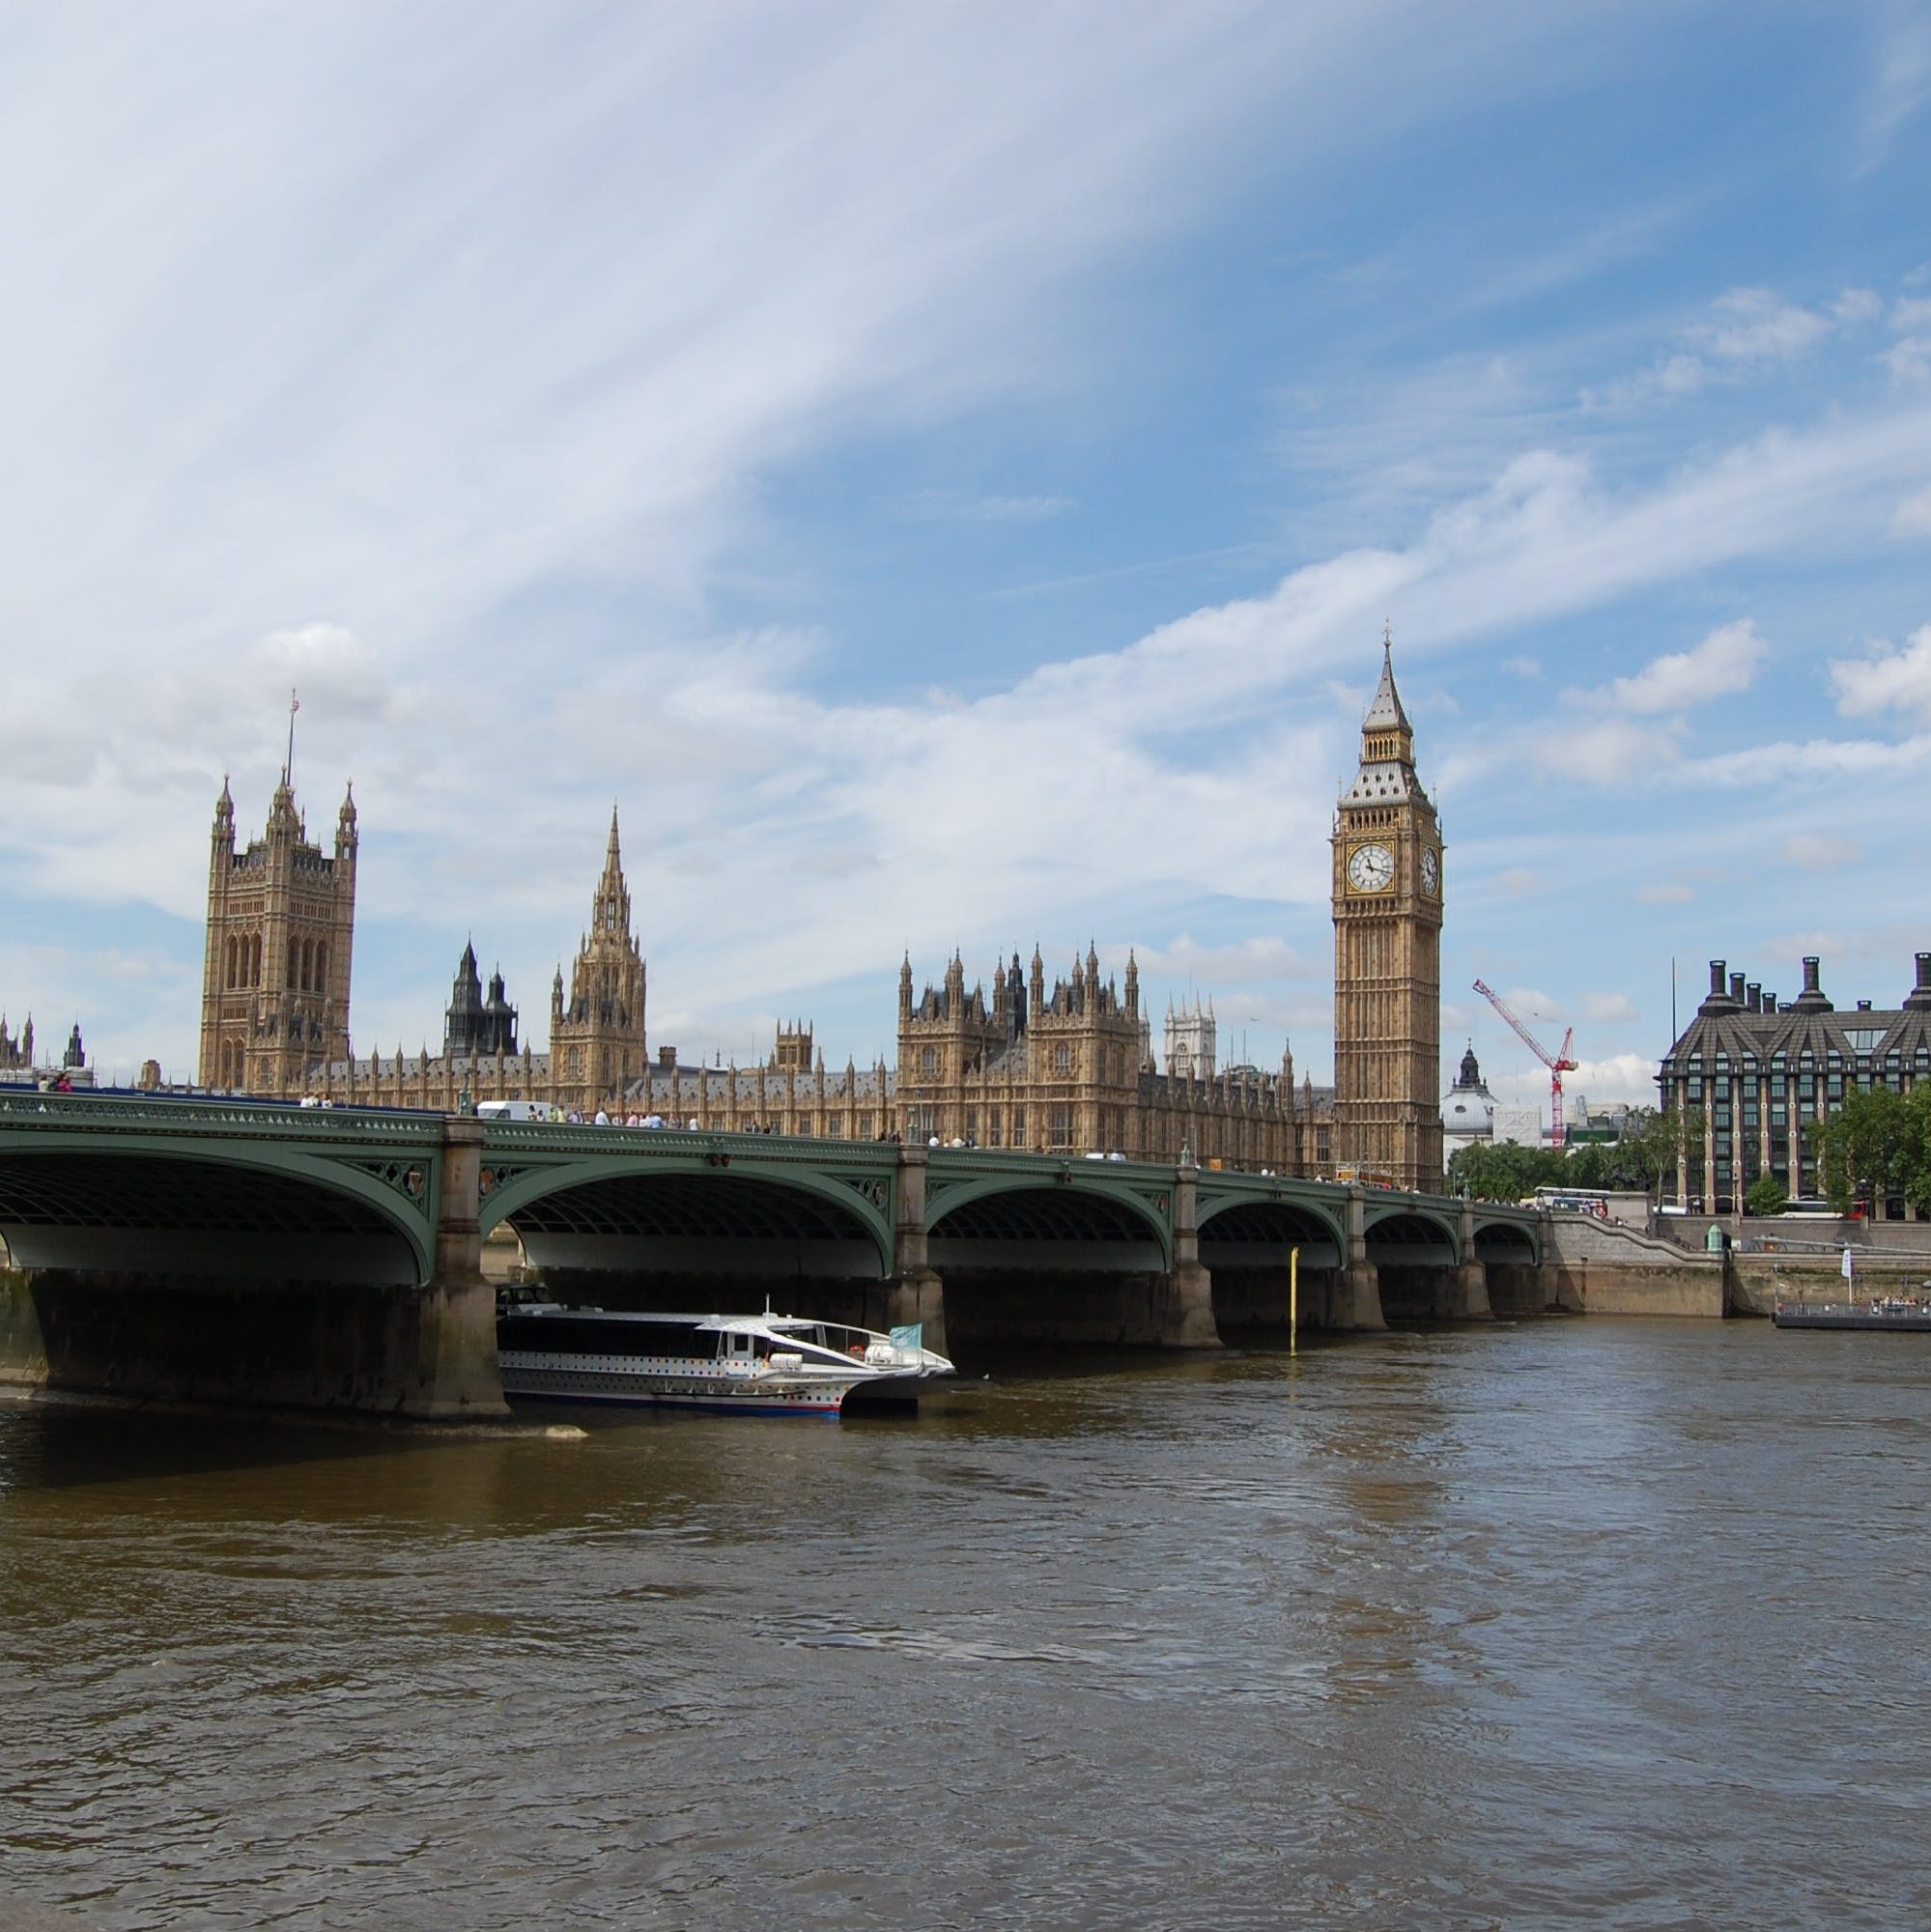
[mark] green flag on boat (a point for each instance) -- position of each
(911, 1336)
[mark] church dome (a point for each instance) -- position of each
(1469, 1108)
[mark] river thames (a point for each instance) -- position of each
(1564, 1623)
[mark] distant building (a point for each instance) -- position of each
(1467, 1109)
(1190, 1041)
(1516, 1126)
(18, 1061)
(1766, 1077)
(16, 1055)
(474, 1026)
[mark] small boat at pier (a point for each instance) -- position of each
(731, 1364)
(1899, 1314)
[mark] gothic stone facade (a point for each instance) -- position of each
(1069, 1070)
(281, 921)
(1387, 902)
(16, 1056)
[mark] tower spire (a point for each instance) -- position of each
(288, 764)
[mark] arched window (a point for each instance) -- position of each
(231, 962)
(309, 965)
(322, 966)
(255, 960)
(294, 964)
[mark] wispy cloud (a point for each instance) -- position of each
(948, 506)
(1820, 851)
(1887, 682)
(1901, 80)
(1913, 516)
(1724, 663)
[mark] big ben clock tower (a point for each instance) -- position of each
(1387, 956)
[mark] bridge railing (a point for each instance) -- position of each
(206, 1113)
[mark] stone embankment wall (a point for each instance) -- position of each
(1800, 1234)
(1601, 1269)
(1757, 1283)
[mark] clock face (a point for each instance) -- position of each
(1431, 874)
(1371, 868)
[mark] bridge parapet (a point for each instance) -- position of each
(209, 1113)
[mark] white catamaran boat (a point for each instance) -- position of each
(736, 1364)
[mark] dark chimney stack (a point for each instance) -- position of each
(1769, 1003)
(1716, 979)
(1737, 987)
(1919, 995)
(1753, 997)
(1811, 964)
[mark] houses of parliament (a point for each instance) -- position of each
(1065, 1065)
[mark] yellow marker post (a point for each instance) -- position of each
(1293, 1296)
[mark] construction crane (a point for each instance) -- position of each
(1558, 1064)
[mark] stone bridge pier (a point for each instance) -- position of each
(915, 1293)
(209, 1271)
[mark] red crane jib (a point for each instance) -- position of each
(1558, 1064)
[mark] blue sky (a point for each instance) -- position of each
(943, 472)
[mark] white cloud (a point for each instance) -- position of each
(1820, 851)
(1901, 84)
(1185, 962)
(1909, 359)
(1913, 516)
(1754, 325)
(946, 504)
(1666, 894)
(1858, 305)
(1520, 883)
(1608, 1008)
(1887, 682)
(1724, 663)
(1626, 1079)
(1021, 509)
(1679, 375)
(1537, 1010)
(1783, 763)
(377, 425)
(1523, 667)
(1609, 752)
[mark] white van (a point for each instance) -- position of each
(515, 1110)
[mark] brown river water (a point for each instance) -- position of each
(1560, 1624)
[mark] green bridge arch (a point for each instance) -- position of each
(1249, 1207)
(512, 1183)
(1146, 1202)
(1385, 1214)
(399, 1187)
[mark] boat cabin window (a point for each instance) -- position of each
(594, 1335)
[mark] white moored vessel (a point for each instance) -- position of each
(738, 1364)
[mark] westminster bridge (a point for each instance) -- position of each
(205, 1249)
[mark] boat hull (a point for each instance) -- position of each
(724, 1365)
(1912, 1320)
